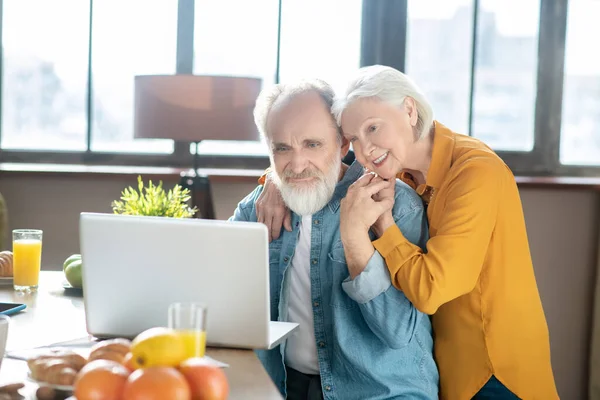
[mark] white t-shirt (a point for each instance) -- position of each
(301, 349)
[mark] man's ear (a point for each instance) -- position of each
(345, 146)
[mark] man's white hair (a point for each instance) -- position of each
(267, 98)
(391, 86)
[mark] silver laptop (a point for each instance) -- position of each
(134, 267)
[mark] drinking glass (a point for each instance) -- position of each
(189, 320)
(27, 259)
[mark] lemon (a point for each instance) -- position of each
(158, 347)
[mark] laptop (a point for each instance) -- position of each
(134, 267)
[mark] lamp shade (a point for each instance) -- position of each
(192, 108)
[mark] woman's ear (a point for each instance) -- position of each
(411, 109)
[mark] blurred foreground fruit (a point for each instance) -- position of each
(156, 383)
(157, 347)
(101, 380)
(207, 382)
(128, 362)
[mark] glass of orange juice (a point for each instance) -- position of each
(189, 320)
(27, 259)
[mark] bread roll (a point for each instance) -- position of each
(50, 368)
(121, 346)
(107, 355)
(37, 368)
(64, 376)
(75, 360)
(6, 264)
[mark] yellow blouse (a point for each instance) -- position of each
(476, 278)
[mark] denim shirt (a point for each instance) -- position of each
(372, 343)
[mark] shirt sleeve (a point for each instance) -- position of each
(371, 282)
(451, 265)
(386, 310)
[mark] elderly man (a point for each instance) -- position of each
(359, 337)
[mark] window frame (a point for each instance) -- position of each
(383, 41)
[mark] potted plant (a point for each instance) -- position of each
(153, 200)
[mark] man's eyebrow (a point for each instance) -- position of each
(277, 144)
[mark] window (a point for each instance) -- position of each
(329, 49)
(320, 39)
(580, 138)
(44, 74)
(438, 56)
(245, 47)
(232, 43)
(128, 42)
(491, 69)
(505, 74)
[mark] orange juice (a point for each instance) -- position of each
(27, 257)
(195, 342)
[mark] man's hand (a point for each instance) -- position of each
(272, 211)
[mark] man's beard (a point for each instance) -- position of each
(308, 198)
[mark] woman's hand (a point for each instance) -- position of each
(386, 219)
(358, 212)
(272, 211)
(364, 205)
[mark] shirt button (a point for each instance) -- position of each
(316, 222)
(285, 259)
(314, 262)
(321, 344)
(328, 388)
(316, 304)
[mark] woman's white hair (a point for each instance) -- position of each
(268, 97)
(391, 86)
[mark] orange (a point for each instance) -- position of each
(156, 383)
(101, 380)
(207, 382)
(128, 362)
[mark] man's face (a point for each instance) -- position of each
(305, 151)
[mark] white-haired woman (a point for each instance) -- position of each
(476, 277)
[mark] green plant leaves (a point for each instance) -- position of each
(153, 200)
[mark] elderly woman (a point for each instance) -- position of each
(476, 277)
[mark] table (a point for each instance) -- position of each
(53, 316)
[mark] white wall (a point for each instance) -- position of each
(562, 227)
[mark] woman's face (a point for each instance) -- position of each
(382, 135)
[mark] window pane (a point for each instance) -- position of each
(505, 74)
(438, 56)
(323, 44)
(44, 82)
(580, 138)
(134, 37)
(242, 43)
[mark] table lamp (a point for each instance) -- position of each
(193, 108)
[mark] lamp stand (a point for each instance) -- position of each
(199, 186)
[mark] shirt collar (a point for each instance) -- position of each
(353, 172)
(441, 157)
(441, 161)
